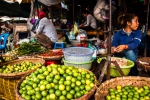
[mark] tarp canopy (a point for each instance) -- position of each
(12, 9)
(50, 2)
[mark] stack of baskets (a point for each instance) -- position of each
(8, 82)
(78, 56)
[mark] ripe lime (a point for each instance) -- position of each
(61, 87)
(46, 73)
(38, 96)
(64, 92)
(58, 93)
(56, 87)
(42, 87)
(72, 91)
(67, 83)
(57, 77)
(44, 93)
(48, 86)
(88, 82)
(62, 97)
(52, 97)
(27, 97)
(69, 96)
(88, 76)
(68, 78)
(51, 91)
(78, 94)
(54, 72)
(77, 88)
(55, 81)
(61, 71)
(88, 87)
(73, 85)
(78, 83)
(81, 87)
(68, 88)
(73, 79)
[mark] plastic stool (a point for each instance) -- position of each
(59, 45)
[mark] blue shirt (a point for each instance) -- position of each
(132, 40)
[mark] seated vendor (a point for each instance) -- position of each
(46, 33)
(126, 41)
(90, 23)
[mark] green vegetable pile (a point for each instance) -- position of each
(29, 48)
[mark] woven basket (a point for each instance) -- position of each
(84, 97)
(103, 89)
(8, 81)
(143, 64)
(57, 57)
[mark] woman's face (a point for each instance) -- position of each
(134, 24)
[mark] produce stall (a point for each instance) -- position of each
(35, 73)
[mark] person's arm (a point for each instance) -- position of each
(136, 40)
(115, 40)
(87, 20)
(41, 26)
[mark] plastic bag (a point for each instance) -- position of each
(81, 34)
(101, 10)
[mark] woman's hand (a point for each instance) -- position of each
(120, 48)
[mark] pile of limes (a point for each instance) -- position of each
(56, 82)
(19, 67)
(129, 93)
(6, 59)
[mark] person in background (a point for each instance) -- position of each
(90, 23)
(46, 33)
(57, 22)
(126, 41)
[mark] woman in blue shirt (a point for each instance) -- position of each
(126, 41)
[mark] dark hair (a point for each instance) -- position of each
(124, 18)
(84, 11)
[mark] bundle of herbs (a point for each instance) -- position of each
(29, 48)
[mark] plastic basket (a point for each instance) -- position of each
(78, 54)
(86, 65)
(125, 69)
(103, 90)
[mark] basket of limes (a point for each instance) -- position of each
(12, 71)
(124, 88)
(124, 64)
(57, 82)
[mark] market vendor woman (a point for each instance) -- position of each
(126, 41)
(46, 33)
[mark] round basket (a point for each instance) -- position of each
(125, 69)
(143, 64)
(8, 81)
(20, 74)
(84, 97)
(103, 89)
(58, 54)
(78, 54)
(86, 65)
